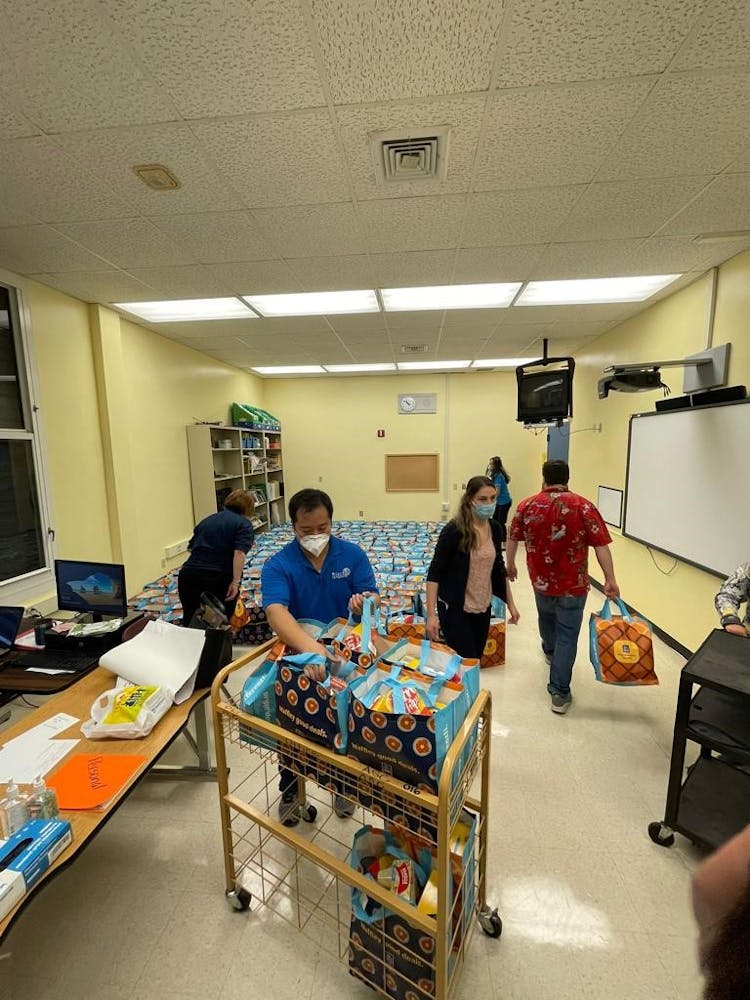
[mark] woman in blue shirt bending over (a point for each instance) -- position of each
(500, 479)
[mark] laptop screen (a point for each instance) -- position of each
(10, 622)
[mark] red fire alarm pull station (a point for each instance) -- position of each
(381, 434)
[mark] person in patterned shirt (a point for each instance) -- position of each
(558, 527)
(735, 590)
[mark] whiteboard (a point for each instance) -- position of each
(609, 502)
(688, 484)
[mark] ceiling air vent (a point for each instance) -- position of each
(414, 348)
(157, 177)
(410, 155)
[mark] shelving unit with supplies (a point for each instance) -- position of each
(223, 459)
(304, 873)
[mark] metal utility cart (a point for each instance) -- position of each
(303, 872)
(713, 802)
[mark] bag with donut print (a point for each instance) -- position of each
(494, 648)
(316, 710)
(385, 951)
(402, 723)
(620, 647)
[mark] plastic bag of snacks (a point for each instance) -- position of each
(126, 713)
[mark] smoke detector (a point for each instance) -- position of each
(157, 177)
(410, 154)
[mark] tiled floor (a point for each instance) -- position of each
(592, 910)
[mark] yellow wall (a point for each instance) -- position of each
(330, 438)
(115, 399)
(681, 603)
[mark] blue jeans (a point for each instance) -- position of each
(559, 624)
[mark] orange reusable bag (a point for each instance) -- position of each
(620, 647)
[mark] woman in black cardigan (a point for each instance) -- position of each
(467, 569)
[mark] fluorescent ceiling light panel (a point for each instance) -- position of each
(290, 370)
(343, 369)
(485, 296)
(315, 303)
(588, 291)
(417, 366)
(187, 310)
(502, 362)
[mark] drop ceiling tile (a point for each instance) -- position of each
(373, 356)
(671, 254)
(608, 259)
(723, 206)
(507, 218)
(561, 347)
(66, 67)
(720, 39)
(553, 135)
(688, 125)
(216, 237)
(223, 57)
(551, 41)
(260, 276)
(13, 125)
(97, 286)
(472, 319)
(285, 326)
(37, 249)
(496, 264)
(392, 49)
(362, 326)
(715, 255)
(312, 230)
(404, 270)
(628, 208)
(207, 330)
(127, 242)
(12, 215)
(37, 177)
(413, 223)
(191, 282)
(414, 321)
(742, 164)
(322, 274)
(282, 159)
(463, 115)
(521, 315)
(109, 155)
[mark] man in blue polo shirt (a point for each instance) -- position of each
(318, 576)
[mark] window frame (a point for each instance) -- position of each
(38, 584)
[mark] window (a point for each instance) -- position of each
(24, 553)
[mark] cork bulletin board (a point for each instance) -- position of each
(414, 473)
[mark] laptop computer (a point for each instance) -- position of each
(10, 622)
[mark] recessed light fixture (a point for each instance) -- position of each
(290, 370)
(588, 291)
(502, 362)
(484, 296)
(344, 369)
(186, 310)
(415, 366)
(315, 303)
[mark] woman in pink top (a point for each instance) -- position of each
(467, 569)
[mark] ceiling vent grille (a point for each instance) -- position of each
(414, 348)
(157, 177)
(418, 155)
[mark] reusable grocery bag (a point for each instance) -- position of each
(316, 710)
(385, 951)
(494, 648)
(620, 647)
(410, 747)
(259, 696)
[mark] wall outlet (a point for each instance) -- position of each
(361, 513)
(170, 551)
(444, 506)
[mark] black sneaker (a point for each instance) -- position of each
(289, 807)
(561, 703)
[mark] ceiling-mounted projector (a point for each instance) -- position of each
(639, 381)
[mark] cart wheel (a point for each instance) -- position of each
(308, 813)
(660, 834)
(490, 922)
(238, 899)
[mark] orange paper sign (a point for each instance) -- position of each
(88, 781)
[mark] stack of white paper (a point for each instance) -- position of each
(162, 654)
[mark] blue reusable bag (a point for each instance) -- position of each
(310, 708)
(259, 699)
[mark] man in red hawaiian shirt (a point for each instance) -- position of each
(558, 527)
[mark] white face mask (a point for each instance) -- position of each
(314, 544)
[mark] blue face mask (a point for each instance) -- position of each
(484, 510)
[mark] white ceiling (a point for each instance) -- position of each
(587, 138)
